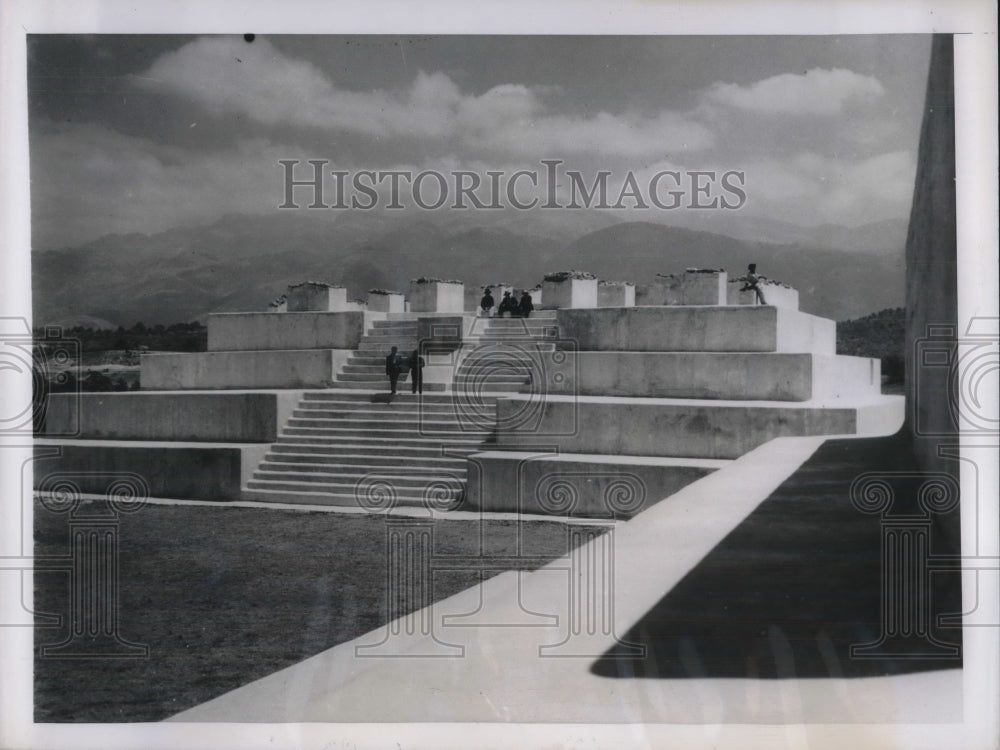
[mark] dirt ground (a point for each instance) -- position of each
(223, 596)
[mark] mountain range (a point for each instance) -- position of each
(241, 262)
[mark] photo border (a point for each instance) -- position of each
(974, 24)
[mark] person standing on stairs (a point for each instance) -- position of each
(393, 366)
(417, 371)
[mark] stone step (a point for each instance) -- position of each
(540, 329)
(516, 325)
(400, 399)
(401, 434)
(355, 377)
(350, 450)
(438, 419)
(379, 411)
(498, 375)
(334, 464)
(493, 387)
(481, 339)
(337, 408)
(347, 490)
(502, 338)
(364, 369)
(267, 493)
(349, 480)
(374, 438)
(403, 346)
(383, 386)
(404, 426)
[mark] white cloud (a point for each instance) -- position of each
(226, 75)
(89, 181)
(816, 92)
(811, 189)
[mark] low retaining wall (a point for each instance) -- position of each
(575, 485)
(224, 417)
(659, 427)
(297, 368)
(693, 329)
(189, 471)
(303, 330)
(737, 376)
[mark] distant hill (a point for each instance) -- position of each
(836, 284)
(881, 335)
(243, 262)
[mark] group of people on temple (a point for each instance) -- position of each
(508, 305)
(396, 364)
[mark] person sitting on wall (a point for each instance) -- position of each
(751, 282)
(507, 305)
(526, 305)
(486, 304)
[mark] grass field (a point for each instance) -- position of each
(223, 596)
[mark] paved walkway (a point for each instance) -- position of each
(520, 647)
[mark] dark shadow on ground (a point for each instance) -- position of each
(789, 591)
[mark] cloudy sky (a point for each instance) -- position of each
(146, 133)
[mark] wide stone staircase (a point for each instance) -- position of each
(366, 367)
(355, 445)
(363, 449)
(503, 354)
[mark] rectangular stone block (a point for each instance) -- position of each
(308, 330)
(571, 293)
(437, 296)
(576, 485)
(741, 376)
(202, 417)
(778, 295)
(615, 294)
(661, 427)
(187, 471)
(386, 303)
(312, 296)
(693, 287)
(296, 368)
(693, 328)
